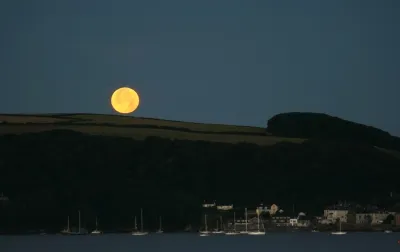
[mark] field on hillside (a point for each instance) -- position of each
(137, 128)
(140, 128)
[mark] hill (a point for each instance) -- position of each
(323, 126)
(138, 128)
(50, 169)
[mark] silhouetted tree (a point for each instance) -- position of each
(389, 219)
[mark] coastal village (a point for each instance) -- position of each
(350, 217)
(225, 218)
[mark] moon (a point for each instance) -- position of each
(125, 100)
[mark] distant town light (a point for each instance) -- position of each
(225, 207)
(209, 205)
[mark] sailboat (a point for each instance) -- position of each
(79, 232)
(258, 232)
(96, 231)
(340, 230)
(141, 232)
(246, 230)
(67, 230)
(218, 230)
(160, 230)
(205, 232)
(234, 232)
(135, 226)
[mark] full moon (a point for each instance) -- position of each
(125, 100)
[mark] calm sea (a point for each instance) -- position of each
(318, 242)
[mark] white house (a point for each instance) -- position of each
(272, 210)
(225, 207)
(332, 215)
(209, 205)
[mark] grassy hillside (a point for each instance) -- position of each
(286, 127)
(138, 128)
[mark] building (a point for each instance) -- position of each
(375, 218)
(252, 224)
(272, 210)
(397, 219)
(319, 219)
(225, 207)
(332, 215)
(303, 223)
(209, 205)
(262, 209)
(281, 220)
(293, 222)
(369, 218)
(303, 220)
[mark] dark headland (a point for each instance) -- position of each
(53, 165)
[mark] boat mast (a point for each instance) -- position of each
(68, 223)
(246, 217)
(160, 223)
(79, 213)
(135, 223)
(205, 222)
(234, 221)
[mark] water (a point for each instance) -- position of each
(310, 242)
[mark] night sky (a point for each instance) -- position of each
(217, 61)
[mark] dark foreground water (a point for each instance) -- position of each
(298, 242)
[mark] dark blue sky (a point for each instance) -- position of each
(219, 61)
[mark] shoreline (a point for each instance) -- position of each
(291, 231)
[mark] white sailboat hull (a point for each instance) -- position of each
(232, 233)
(96, 232)
(256, 233)
(140, 233)
(339, 233)
(205, 232)
(65, 232)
